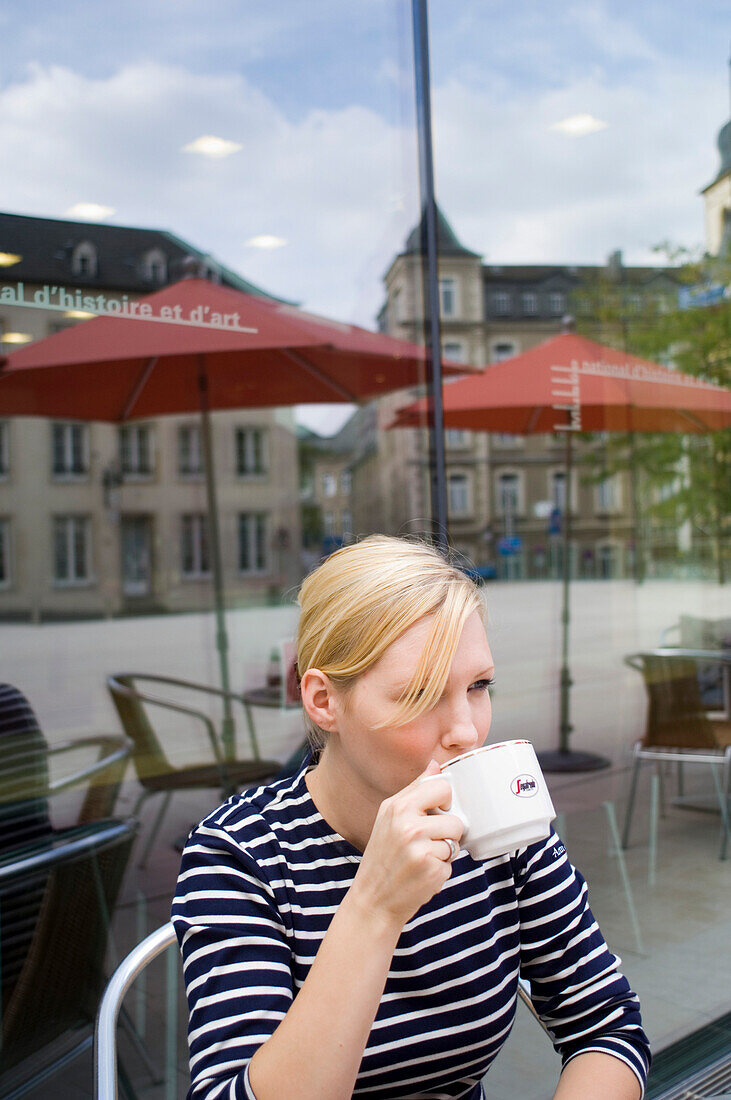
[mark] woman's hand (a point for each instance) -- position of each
(406, 859)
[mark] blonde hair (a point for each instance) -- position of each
(363, 597)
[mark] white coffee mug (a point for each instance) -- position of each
(501, 797)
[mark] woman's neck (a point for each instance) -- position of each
(346, 804)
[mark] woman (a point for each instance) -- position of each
(335, 938)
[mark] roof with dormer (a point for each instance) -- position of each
(46, 247)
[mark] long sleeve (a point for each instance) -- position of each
(236, 962)
(576, 985)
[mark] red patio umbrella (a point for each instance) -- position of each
(571, 384)
(196, 346)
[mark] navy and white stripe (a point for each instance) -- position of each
(260, 880)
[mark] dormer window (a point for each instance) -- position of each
(84, 261)
(155, 266)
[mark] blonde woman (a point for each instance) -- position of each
(337, 941)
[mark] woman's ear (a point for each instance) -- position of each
(319, 698)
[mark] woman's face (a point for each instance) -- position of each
(387, 759)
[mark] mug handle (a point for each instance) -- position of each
(455, 808)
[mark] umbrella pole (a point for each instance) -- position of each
(565, 759)
(227, 724)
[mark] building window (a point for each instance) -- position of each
(506, 440)
(4, 448)
(84, 261)
(329, 484)
(70, 444)
(346, 482)
(190, 451)
(5, 569)
(155, 266)
(529, 302)
(509, 493)
(251, 456)
(459, 496)
(608, 498)
(328, 524)
(135, 450)
(457, 439)
(503, 350)
(501, 302)
(454, 349)
(195, 560)
(557, 302)
(634, 303)
(252, 542)
(557, 489)
(448, 297)
(71, 550)
(347, 522)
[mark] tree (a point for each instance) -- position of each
(677, 479)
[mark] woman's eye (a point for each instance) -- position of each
(483, 685)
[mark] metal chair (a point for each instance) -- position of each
(155, 772)
(679, 728)
(49, 1005)
(105, 1034)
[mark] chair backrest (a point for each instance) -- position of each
(58, 989)
(675, 714)
(148, 755)
(105, 1033)
(287, 650)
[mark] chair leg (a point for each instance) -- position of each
(155, 828)
(724, 801)
(631, 801)
(681, 779)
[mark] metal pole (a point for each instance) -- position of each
(430, 274)
(565, 726)
(227, 724)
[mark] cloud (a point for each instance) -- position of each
(325, 183)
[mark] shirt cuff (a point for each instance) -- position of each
(618, 1048)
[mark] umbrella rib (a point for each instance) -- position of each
(138, 387)
(320, 375)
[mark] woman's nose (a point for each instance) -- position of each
(460, 732)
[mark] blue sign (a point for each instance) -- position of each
(510, 545)
(702, 295)
(554, 522)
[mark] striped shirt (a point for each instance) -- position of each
(259, 882)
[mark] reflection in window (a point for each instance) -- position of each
(4, 448)
(507, 439)
(454, 349)
(190, 451)
(250, 451)
(459, 495)
(252, 542)
(194, 554)
(329, 484)
(557, 489)
(448, 297)
(503, 350)
(509, 493)
(135, 450)
(529, 302)
(608, 495)
(84, 262)
(70, 444)
(71, 549)
(457, 439)
(5, 575)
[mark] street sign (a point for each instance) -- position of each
(554, 522)
(510, 545)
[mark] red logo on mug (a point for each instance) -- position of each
(524, 786)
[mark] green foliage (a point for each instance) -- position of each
(677, 478)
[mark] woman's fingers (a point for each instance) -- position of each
(442, 826)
